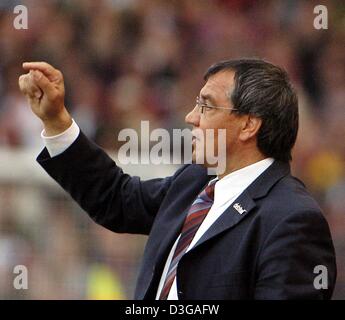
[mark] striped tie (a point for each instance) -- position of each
(194, 219)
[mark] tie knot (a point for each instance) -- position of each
(210, 190)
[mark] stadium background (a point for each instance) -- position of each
(131, 60)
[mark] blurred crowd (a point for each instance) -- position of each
(130, 60)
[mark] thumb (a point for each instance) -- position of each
(43, 82)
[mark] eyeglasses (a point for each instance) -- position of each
(203, 106)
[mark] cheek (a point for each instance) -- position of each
(231, 136)
(221, 131)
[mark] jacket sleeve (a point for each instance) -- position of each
(113, 199)
(290, 260)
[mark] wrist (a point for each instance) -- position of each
(58, 124)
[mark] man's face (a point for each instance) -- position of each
(214, 93)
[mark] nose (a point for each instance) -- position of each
(193, 117)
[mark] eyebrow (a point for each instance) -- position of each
(208, 97)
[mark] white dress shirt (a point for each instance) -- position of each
(59, 143)
(226, 191)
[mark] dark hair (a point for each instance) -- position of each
(264, 90)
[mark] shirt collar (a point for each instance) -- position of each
(234, 183)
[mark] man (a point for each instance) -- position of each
(252, 232)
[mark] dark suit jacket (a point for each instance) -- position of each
(268, 252)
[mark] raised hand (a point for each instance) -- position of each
(44, 87)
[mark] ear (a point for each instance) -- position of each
(250, 127)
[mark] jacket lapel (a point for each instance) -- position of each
(178, 213)
(157, 252)
(245, 202)
(237, 211)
